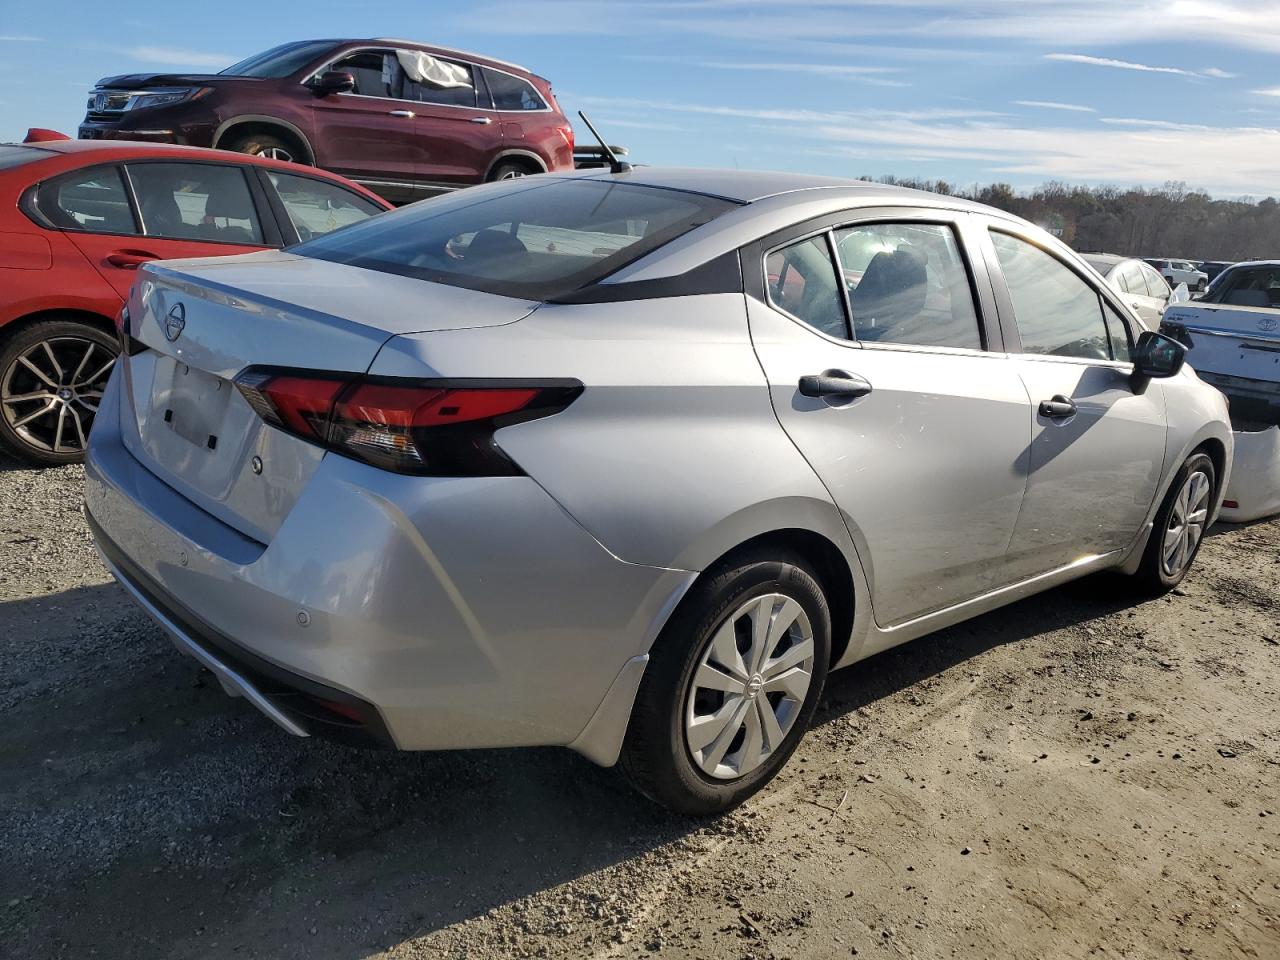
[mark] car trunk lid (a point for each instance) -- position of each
(197, 324)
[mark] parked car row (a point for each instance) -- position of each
(1181, 271)
(408, 120)
(627, 461)
(78, 218)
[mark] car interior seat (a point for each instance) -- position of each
(892, 292)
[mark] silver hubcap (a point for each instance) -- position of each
(50, 393)
(1186, 524)
(749, 686)
(512, 175)
(275, 153)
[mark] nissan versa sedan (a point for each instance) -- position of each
(627, 462)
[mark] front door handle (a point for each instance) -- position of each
(1059, 408)
(834, 383)
(401, 113)
(129, 259)
(482, 120)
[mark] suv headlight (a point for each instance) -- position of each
(159, 98)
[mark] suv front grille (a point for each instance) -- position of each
(106, 104)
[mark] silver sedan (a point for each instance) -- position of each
(627, 462)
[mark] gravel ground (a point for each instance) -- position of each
(1078, 775)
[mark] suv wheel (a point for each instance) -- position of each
(509, 170)
(1179, 526)
(731, 686)
(267, 145)
(52, 375)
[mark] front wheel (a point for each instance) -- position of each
(731, 686)
(509, 170)
(267, 145)
(1179, 526)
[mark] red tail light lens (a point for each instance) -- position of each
(433, 428)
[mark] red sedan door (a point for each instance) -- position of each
(183, 209)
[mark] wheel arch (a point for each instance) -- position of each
(253, 122)
(534, 162)
(104, 323)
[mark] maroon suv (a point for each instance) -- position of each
(405, 119)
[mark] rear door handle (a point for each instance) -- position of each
(401, 113)
(1059, 408)
(834, 383)
(129, 259)
(482, 120)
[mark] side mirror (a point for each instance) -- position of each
(333, 81)
(1155, 357)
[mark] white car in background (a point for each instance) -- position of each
(1181, 271)
(1233, 338)
(1137, 283)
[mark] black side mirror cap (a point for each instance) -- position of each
(333, 81)
(1156, 356)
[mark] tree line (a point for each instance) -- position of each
(1173, 221)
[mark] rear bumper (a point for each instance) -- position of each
(438, 613)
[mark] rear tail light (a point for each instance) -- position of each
(427, 427)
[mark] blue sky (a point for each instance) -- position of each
(974, 91)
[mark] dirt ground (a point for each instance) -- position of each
(1078, 775)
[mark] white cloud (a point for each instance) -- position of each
(1130, 65)
(1268, 92)
(1218, 74)
(176, 57)
(1224, 160)
(1242, 24)
(1054, 105)
(20, 39)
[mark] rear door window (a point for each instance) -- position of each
(802, 282)
(1156, 286)
(512, 93)
(908, 284)
(94, 200)
(444, 82)
(1058, 314)
(196, 201)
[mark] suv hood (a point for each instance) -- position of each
(141, 81)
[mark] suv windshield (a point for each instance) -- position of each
(279, 61)
(536, 241)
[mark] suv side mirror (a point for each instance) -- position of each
(333, 81)
(1156, 356)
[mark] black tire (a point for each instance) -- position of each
(1155, 575)
(268, 145)
(36, 441)
(656, 757)
(510, 170)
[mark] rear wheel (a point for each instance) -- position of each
(52, 375)
(509, 170)
(267, 145)
(1179, 526)
(731, 685)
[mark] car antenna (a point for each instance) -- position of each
(615, 165)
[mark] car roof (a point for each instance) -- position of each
(105, 151)
(750, 186)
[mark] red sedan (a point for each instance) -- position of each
(77, 218)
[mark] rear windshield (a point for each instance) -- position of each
(1247, 287)
(281, 61)
(537, 241)
(13, 155)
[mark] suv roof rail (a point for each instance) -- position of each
(454, 51)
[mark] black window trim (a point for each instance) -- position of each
(288, 232)
(990, 332)
(29, 203)
(1004, 301)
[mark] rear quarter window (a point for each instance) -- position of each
(536, 241)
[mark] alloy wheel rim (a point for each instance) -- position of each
(50, 393)
(1186, 524)
(512, 175)
(749, 686)
(276, 153)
